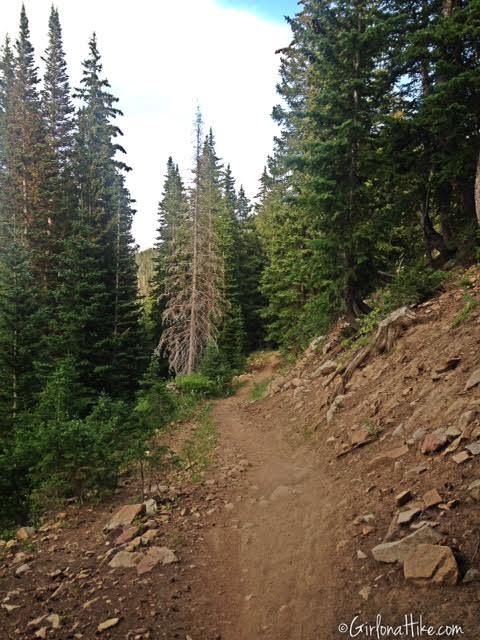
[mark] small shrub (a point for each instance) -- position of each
(197, 451)
(412, 285)
(470, 305)
(259, 390)
(196, 384)
(216, 366)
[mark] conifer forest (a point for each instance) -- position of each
(369, 200)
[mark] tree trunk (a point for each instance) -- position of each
(477, 190)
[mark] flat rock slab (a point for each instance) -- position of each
(125, 516)
(448, 365)
(461, 457)
(129, 534)
(405, 517)
(360, 436)
(154, 556)
(473, 380)
(415, 471)
(431, 563)
(474, 448)
(125, 560)
(325, 369)
(392, 454)
(398, 550)
(474, 489)
(432, 498)
(403, 497)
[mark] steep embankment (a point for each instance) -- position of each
(276, 539)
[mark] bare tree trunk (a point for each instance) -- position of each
(192, 346)
(193, 298)
(477, 190)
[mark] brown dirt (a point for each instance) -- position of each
(269, 550)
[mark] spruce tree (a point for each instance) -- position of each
(19, 310)
(171, 245)
(99, 306)
(251, 263)
(231, 339)
(58, 112)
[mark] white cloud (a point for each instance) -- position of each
(163, 57)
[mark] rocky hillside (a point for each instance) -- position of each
(350, 491)
(398, 425)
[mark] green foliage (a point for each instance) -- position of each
(412, 284)
(259, 390)
(196, 384)
(197, 450)
(67, 455)
(470, 305)
(217, 366)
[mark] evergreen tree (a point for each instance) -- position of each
(6, 84)
(251, 263)
(231, 339)
(99, 306)
(23, 216)
(171, 246)
(58, 112)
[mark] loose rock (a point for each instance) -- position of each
(129, 534)
(154, 556)
(473, 380)
(472, 575)
(125, 516)
(365, 593)
(432, 498)
(25, 533)
(474, 489)
(108, 624)
(434, 441)
(125, 560)
(461, 457)
(325, 369)
(405, 517)
(403, 497)
(151, 507)
(431, 563)
(392, 454)
(23, 569)
(466, 419)
(474, 448)
(398, 550)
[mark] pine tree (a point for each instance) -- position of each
(19, 312)
(99, 307)
(251, 263)
(171, 244)
(58, 112)
(129, 340)
(6, 84)
(28, 155)
(232, 338)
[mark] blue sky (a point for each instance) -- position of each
(162, 58)
(271, 9)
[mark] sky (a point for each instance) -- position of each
(162, 58)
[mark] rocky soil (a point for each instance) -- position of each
(351, 490)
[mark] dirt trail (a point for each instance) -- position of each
(274, 560)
